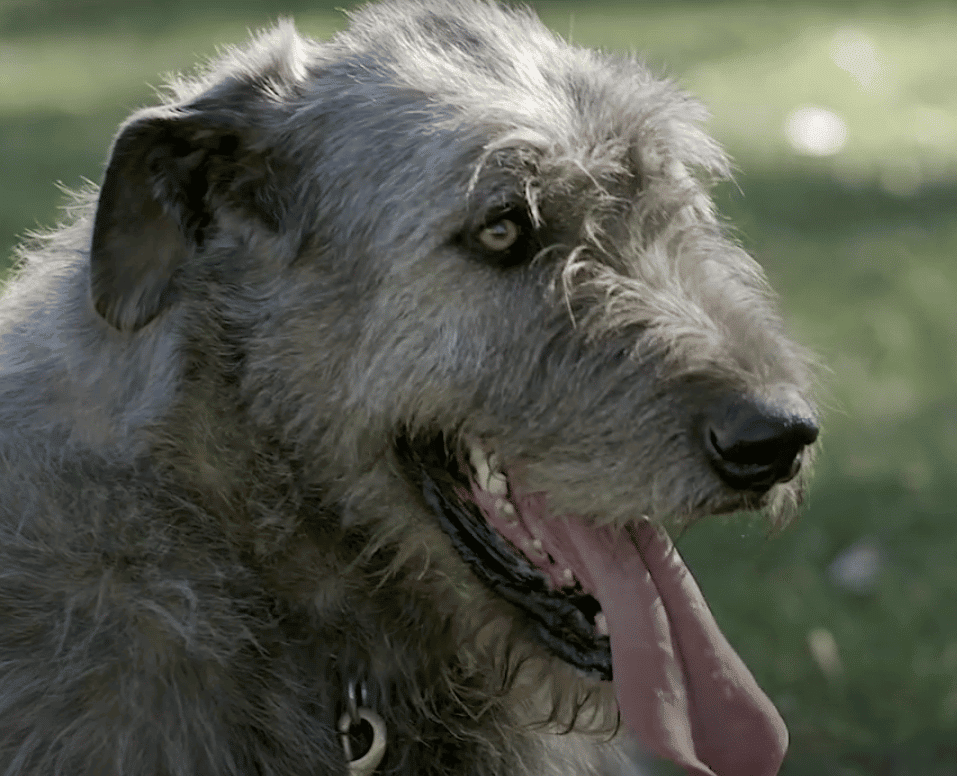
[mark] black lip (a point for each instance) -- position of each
(558, 619)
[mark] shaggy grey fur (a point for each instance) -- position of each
(207, 528)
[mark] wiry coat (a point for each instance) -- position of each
(205, 530)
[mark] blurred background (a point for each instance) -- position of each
(842, 118)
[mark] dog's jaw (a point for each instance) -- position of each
(681, 687)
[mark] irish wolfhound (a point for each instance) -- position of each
(341, 424)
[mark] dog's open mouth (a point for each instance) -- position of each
(619, 604)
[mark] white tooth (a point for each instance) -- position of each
(567, 577)
(497, 484)
(601, 624)
(537, 547)
(495, 465)
(480, 464)
(506, 511)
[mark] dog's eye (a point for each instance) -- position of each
(500, 235)
(505, 238)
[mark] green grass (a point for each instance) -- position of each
(860, 246)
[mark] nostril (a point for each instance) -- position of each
(795, 467)
(753, 444)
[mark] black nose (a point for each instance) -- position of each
(753, 443)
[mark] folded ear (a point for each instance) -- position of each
(169, 171)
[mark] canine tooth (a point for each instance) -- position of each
(508, 508)
(480, 464)
(567, 577)
(601, 624)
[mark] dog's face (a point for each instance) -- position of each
(458, 245)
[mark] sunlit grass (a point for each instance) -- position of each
(63, 93)
(885, 72)
(84, 72)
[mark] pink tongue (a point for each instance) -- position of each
(680, 685)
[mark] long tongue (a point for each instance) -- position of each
(680, 685)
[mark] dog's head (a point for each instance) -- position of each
(461, 249)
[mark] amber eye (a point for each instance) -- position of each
(500, 235)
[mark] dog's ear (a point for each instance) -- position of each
(169, 171)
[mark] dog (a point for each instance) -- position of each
(344, 423)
